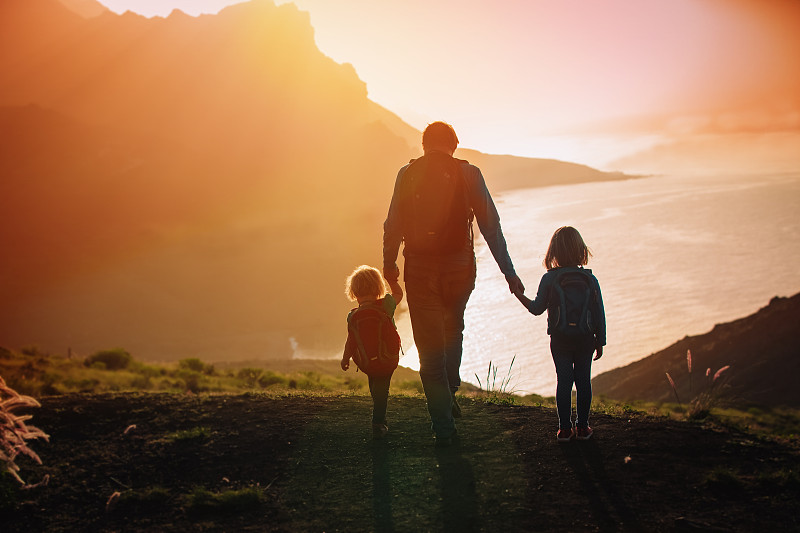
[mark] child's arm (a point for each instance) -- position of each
(600, 317)
(538, 305)
(348, 349)
(397, 291)
(524, 300)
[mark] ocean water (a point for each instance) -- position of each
(674, 256)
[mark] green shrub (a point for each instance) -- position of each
(269, 378)
(194, 364)
(191, 380)
(141, 383)
(249, 376)
(33, 351)
(411, 385)
(115, 359)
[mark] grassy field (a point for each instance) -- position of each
(306, 461)
(196, 447)
(35, 373)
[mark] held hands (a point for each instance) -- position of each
(391, 273)
(518, 289)
(515, 285)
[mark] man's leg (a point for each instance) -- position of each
(427, 321)
(457, 288)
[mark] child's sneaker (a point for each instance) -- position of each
(564, 435)
(379, 431)
(584, 433)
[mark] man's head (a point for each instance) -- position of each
(439, 137)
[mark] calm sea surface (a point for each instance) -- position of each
(674, 256)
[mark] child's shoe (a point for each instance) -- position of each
(379, 431)
(584, 433)
(565, 435)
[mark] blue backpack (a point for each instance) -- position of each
(574, 297)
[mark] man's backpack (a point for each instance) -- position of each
(574, 298)
(375, 338)
(435, 215)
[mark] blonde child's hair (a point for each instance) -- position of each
(566, 249)
(364, 282)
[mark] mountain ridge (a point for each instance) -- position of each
(761, 351)
(206, 167)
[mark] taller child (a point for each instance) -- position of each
(435, 200)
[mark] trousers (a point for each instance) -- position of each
(573, 360)
(438, 293)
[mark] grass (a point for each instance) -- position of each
(36, 373)
(499, 393)
(232, 501)
(148, 499)
(199, 500)
(199, 433)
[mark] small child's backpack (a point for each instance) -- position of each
(376, 340)
(574, 298)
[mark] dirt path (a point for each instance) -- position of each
(318, 469)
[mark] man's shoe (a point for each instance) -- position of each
(565, 435)
(446, 442)
(379, 431)
(584, 433)
(456, 408)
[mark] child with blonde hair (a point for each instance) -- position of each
(576, 324)
(372, 339)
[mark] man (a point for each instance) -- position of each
(442, 194)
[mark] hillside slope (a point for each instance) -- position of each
(307, 463)
(762, 350)
(192, 186)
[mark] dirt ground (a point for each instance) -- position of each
(314, 461)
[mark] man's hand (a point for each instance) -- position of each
(391, 273)
(515, 285)
(599, 350)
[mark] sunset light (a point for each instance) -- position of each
(586, 84)
(383, 265)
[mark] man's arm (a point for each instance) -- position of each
(392, 234)
(489, 224)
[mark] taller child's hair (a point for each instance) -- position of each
(365, 282)
(566, 249)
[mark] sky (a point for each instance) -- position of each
(579, 80)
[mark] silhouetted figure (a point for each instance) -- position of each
(576, 323)
(372, 339)
(435, 200)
